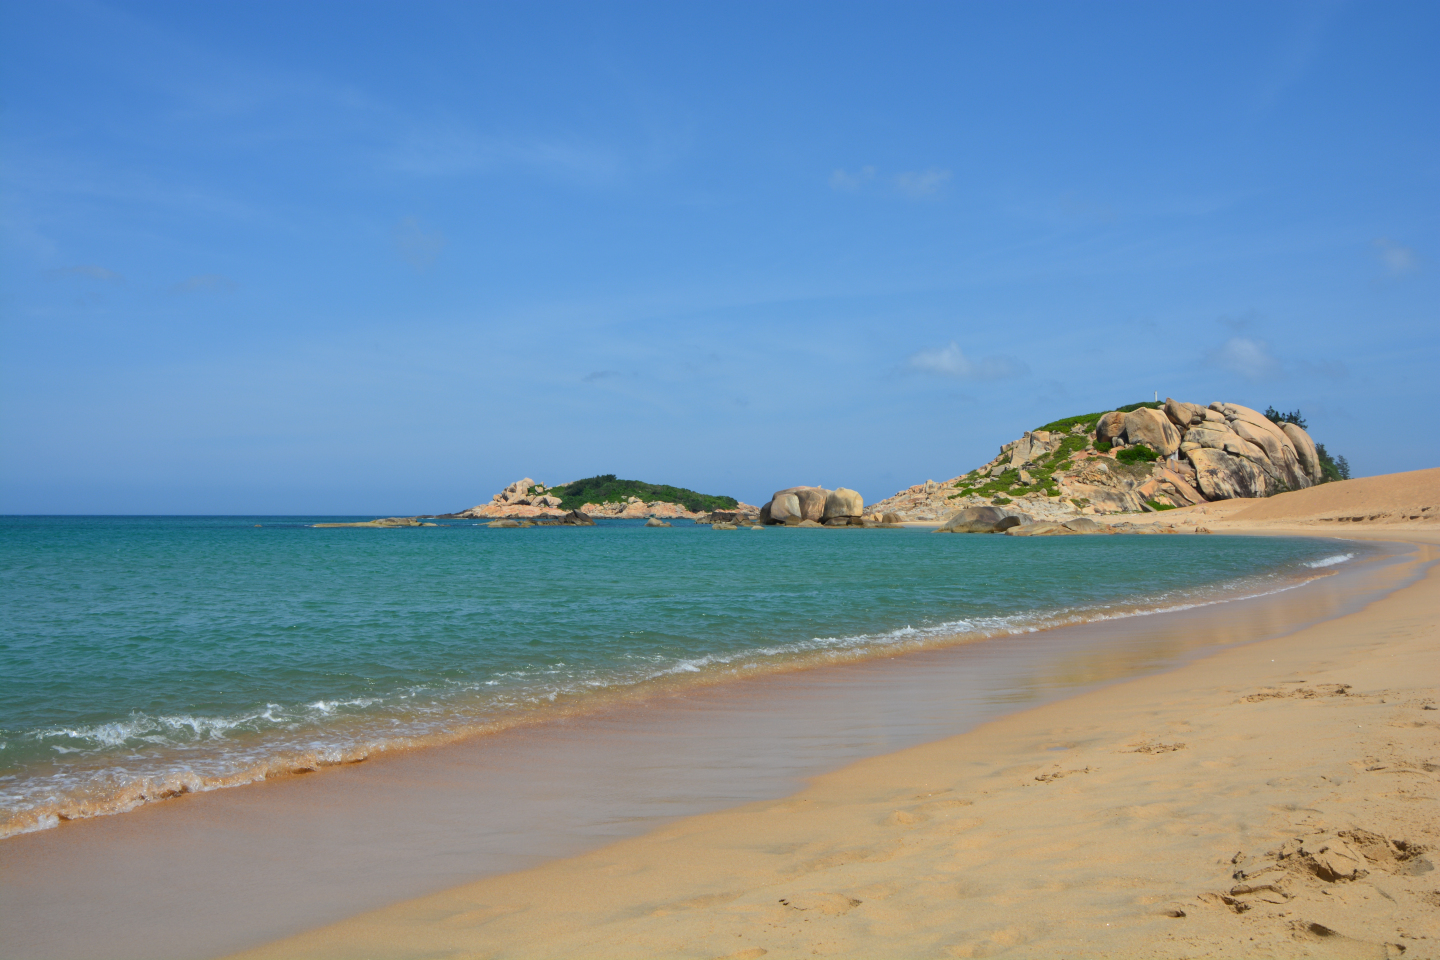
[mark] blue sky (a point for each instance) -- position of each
(386, 258)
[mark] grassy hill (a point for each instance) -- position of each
(606, 488)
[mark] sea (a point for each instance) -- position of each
(146, 657)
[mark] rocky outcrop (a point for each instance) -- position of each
(1304, 450)
(814, 506)
(843, 502)
(1152, 428)
(1198, 454)
(983, 520)
(526, 499)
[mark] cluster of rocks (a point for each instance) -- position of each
(574, 518)
(814, 507)
(1204, 453)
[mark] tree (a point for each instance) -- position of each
(1294, 416)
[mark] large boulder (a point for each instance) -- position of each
(784, 507)
(1223, 476)
(1103, 499)
(1083, 525)
(1180, 487)
(982, 520)
(811, 500)
(1152, 428)
(1043, 529)
(843, 502)
(1111, 426)
(1305, 451)
(1217, 436)
(1184, 415)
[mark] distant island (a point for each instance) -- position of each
(605, 496)
(1139, 458)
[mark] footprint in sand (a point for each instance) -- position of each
(827, 904)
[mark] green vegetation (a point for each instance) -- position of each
(1155, 505)
(1001, 501)
(1091, 419)
(1331, 468)
(607, 489)
(1275, 416)
(1104, 446)
(1137, 454)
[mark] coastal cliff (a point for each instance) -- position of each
(1140, 458)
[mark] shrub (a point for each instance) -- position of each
(1137, 454)
(1001, 501)
(1104, 446)
(1275, 416)
(1156, 505)
(606, 488)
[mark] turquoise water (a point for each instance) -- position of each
(145, 656)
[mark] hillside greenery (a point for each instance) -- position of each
(607, 488)
(1090, 420)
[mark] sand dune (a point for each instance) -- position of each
(1276, 799)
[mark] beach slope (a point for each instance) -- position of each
(1275, 799)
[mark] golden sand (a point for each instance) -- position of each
(1276, 799)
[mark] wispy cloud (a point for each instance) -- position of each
(595, 375)
(922, 183)
(1398, 260)
(205, 283)
(915, 184)
(1249, 357)
(850, 182)
(950, 361)
(418, 246)
(90, 270)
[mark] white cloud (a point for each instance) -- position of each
(918, 184)
(1249, 358)
(417, 246)
(1398, 260)
(950, 361)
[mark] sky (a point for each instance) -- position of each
(386, 258)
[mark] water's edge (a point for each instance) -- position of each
(237, 868)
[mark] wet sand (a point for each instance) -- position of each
(208, 874)
(1278, 798)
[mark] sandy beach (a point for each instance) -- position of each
(1277, 798)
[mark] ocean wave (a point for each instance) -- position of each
(168, 755)
(1330, 561)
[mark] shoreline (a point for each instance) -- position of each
(365, 739)
(199, 823)
(1185, 816)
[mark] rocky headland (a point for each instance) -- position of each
(1145, 458)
